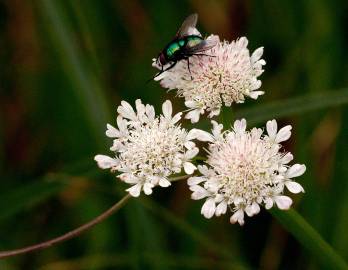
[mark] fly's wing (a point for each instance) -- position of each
(202, 46)
(189, 24)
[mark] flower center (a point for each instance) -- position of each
(243, 167)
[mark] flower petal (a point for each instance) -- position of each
(294, 187)
(189, 168)
(199, 135)
(147, 188)
(287, 158)
(221, 208)
(134, 190)
(268, 203)
(257, 54)
(191, 153)
(105, 162)
(239, 126)
(208, 208)
(126, 111)
(198, 192)
(295, 170)
(252, 209)
(193, 116)
(283, 134)
(195, 180)
(238, 216)
(167, 109)
(163, 182)
(283, 202)
(112, 132)
(271, 128)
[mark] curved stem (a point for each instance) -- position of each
(113, 209)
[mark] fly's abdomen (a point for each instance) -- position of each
(172, 49)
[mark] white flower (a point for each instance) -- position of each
(228, 76)
(245, 169)
(148, 149)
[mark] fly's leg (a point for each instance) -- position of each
(163, 70)
(203, 54)
(188, 66)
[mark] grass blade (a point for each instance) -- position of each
(282, 108)
(309, 238)
(25, 197)
(86, 85)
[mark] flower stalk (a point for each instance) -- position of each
(71, 234)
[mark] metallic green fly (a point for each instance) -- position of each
(186, 43)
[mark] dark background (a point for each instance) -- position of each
(64, 68)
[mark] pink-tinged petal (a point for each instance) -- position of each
(112, 132)
(239, 126)
(294, 187)
(242, 42)
(191, 104)
(283, 202)
(238, 217)
(252, 209)
(163, 182)
(150, 112)
(189, 168)
(121, 123)
(283, 134)
(268, 203)
(295, 170)
(195, 180)
(140, 107)
(221, 208)
(287, 158)
(191, 153)
(198, 192)
(176, 118)
(105, 162)
(217, 128)
(167, 109)
(128, 178)
(189, 144)
(193, 116)
(208, 208)
(199, 135)
(271, 128)
(126, 111)
(256, 55)
(147, 188)
(256, 94)
(134, 190)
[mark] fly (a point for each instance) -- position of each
(183, 46)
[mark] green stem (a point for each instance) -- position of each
(309, 238)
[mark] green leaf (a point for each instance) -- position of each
(323, 253)
(292, 106)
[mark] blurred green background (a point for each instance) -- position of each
(64, 68)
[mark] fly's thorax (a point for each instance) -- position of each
(192, 41)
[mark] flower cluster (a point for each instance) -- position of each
(225, 74)
(244, 170)
(148, 148)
